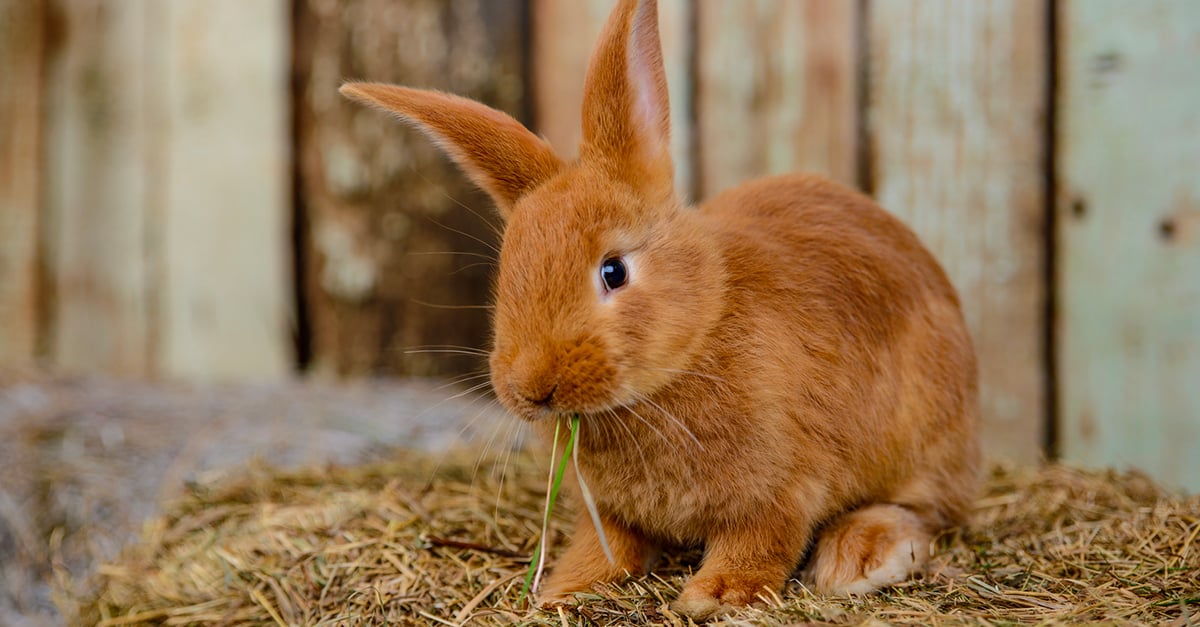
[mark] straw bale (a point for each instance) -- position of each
(416, 542)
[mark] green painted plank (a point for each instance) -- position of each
(956, 99)
(1128, 215)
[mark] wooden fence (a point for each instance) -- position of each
(183, 194)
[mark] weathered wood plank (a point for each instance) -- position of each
(393, 232)
(1128, 215)
(775, 90)
(97, 158)
(21, 51)
(221, 199)
(956, 125)
(564, 33)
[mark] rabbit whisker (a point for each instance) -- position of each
(455, 252)
(633, 412)
(439, 306)
(450, 351)
(459, 380)
(471, 390)
(633, 441)
(487, 448)
(672, 418)
(458, 346)
(693, 373)
(466, 349)
(514, 436)
(468, 235)
(460, 436)
(491, 225)
(489, 264)
(470, 423)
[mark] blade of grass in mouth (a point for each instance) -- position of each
(538, 562)
(587, 495)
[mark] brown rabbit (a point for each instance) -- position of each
(783, 365)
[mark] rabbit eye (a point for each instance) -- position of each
(613, 273)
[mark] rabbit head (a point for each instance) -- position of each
(607, 285)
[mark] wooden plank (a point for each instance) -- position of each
(221, 207)
(393, 232)
(956, 125)
(775, 90)
(20, 124)
(1128, 215)
(564, 33)
(97, 160)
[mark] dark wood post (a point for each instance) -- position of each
(397, 246)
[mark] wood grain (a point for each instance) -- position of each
(775, 90)
(564, 33)
(399, 245)
(956, 126)
(221, 201)
(98, 158)
(1128, 214)
(21, 27)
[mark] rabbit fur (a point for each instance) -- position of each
(785, 373)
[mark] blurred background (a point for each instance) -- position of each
(185, 197)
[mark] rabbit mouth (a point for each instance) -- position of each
(538, 409)
(560, 398)
(537, 404)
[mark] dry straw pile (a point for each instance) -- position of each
(407, 543)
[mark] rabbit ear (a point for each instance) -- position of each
(497, 152)
(626, 110)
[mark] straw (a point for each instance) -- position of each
(384, 544)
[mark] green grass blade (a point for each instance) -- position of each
(533, 576)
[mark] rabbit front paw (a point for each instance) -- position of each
(709, 595)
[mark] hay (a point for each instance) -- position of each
(385, 544)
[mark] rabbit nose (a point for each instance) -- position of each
(545, 399)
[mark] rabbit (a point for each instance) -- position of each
(783, 371)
